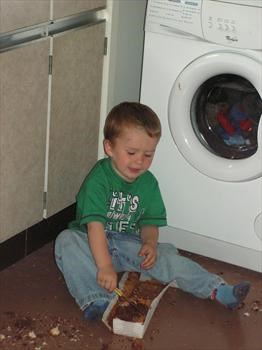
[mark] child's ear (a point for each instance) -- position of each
(108, 147)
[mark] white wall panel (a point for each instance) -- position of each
(75, 109)
(64, 8)
(23, 110)
(16, 14)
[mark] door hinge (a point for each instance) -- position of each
(105, 46)
(50, 65)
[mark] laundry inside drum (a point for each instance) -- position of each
(225, 114)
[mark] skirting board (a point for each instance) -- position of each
(34, 237)
(212, 248)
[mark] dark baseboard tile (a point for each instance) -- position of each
(59, 221)
(12, 250)
(37, 236)
(48, 229)
(34, 237)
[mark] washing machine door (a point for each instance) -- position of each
(215, 111)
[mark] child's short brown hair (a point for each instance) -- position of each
(131, 114)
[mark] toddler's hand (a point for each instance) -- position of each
(150, 253)
(107, 278)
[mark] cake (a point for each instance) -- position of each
(137, 301)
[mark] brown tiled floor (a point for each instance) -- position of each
(34, 299)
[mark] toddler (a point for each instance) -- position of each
(118, 214)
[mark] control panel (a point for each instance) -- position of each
(183, 15)
(233, 23)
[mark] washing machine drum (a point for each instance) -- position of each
(214, 114)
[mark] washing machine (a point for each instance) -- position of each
(202, 75)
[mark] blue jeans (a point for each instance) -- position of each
(75, 260)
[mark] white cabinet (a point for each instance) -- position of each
(49, 117)
(75, 110)
(16, 14)
(64, 8)
(23, 111)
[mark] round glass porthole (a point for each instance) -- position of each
(225, 114)
(214, 115)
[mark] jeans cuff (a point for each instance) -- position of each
(83, 303)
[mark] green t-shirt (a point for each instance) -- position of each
(120, 205)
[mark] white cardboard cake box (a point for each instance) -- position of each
(131, 329)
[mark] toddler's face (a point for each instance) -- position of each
(132, 152)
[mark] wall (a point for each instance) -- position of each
(123, 63)
(126, 51)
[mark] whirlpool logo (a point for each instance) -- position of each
(230, 38)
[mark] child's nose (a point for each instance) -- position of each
(140, 159)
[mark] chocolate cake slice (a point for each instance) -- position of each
(140, 295)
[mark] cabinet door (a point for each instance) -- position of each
(64, 8)
(75, 109)
(15, 14)
(23, 111)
